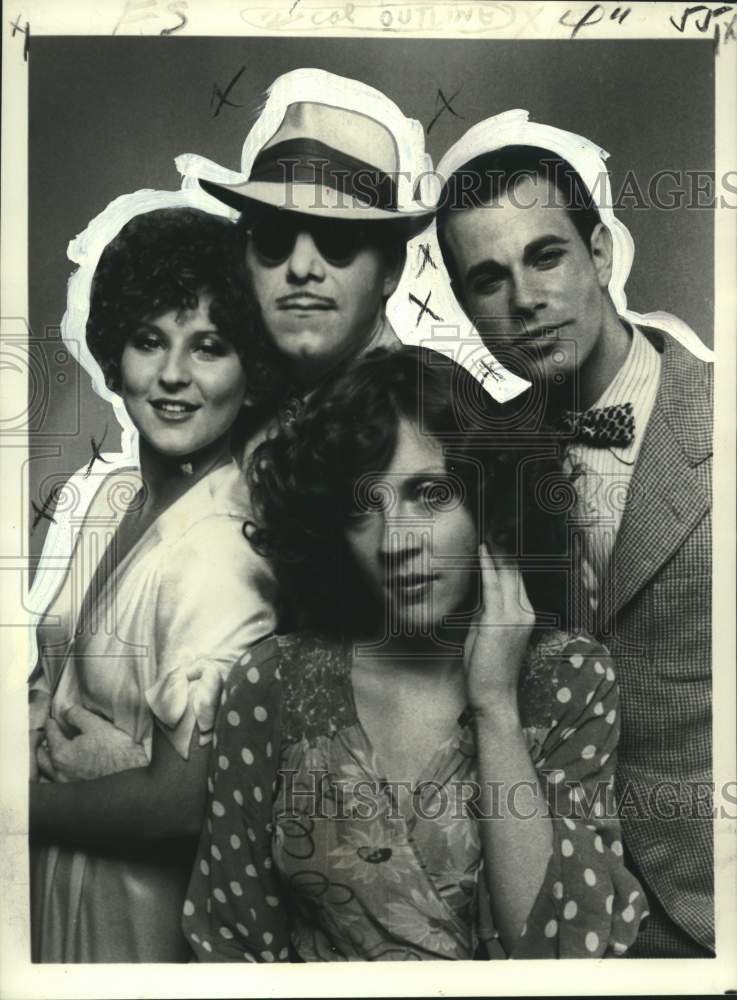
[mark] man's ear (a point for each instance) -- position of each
(601, 253)
(393, 271)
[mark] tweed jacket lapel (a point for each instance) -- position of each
(667, 498)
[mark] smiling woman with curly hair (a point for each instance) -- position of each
(124, 694)
(160, 262)
(439, 748)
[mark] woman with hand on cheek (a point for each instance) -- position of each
(123, 696)
(423, 769)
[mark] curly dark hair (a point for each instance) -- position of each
(303, 480)
(164, 260)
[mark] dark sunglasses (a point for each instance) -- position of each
(338, 243)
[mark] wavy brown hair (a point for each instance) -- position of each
(303, 481)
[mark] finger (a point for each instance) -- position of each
(83, 720)
(510, 583)
(44, 764)
(489, 576)
(489, 567)
(509, 578)
(194, 671)
(524, 597)
(515, 598)
(502, 556)
(55, 738)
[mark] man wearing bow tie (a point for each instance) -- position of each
(530, 262)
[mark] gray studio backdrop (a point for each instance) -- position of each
(108, 116)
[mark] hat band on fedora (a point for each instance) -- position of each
(308, 161)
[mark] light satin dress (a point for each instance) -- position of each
(150, 648)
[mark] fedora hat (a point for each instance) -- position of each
(327, 161)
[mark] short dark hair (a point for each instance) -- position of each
(164, 260)
(303, 478)
(488, 176)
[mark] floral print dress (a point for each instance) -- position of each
(307, 855)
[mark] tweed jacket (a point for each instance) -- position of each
(655, 616)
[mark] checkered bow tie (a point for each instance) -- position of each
(601, 428)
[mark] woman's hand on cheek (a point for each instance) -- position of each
(498, 638)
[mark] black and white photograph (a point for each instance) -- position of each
(368, 377)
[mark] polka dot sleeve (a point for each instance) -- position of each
(233, 911)
(589, 904)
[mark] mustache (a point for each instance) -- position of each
(297, 297)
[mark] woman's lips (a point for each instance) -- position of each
(173, 410)
(413, 584)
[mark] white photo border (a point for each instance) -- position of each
(421, 19)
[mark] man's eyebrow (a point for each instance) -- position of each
(541, 242)
(489, 266)
(485, 268)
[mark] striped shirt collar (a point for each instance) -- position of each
(636, 382)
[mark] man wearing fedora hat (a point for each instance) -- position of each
(533, 262)
(327, 209)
